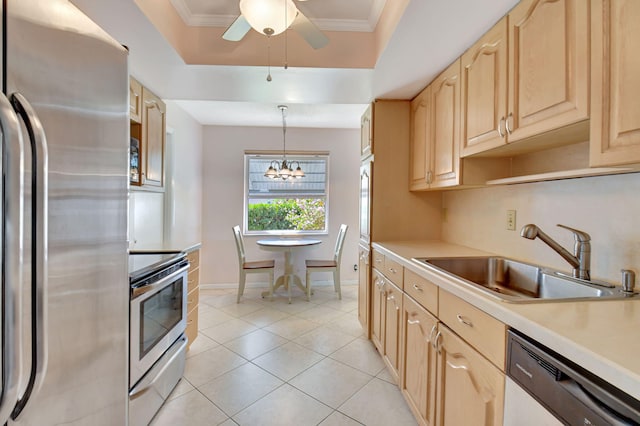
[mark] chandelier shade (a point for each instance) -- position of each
(269, 17)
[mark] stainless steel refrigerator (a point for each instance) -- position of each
(65, 133)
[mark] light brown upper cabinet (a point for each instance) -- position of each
(615, 82)
(544, 77)
(366, 140)
(153, 138)
(548, 66)
(445, 124)
(420, 156)
(435, 133)
(135, 100)
(484, 91)
(148, 127)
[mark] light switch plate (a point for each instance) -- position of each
(511, 220)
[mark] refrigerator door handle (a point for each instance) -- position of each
(12, 247)
(39, 246)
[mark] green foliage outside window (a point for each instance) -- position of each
(301, 214)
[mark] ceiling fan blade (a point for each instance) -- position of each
(307, 29)
(237, 30)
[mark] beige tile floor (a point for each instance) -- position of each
(265, 362)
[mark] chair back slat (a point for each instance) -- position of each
(239, 244)
(339, 243)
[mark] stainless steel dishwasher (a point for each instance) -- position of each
(573, 395)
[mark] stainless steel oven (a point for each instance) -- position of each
(157, 321)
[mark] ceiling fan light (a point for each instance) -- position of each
(263, 14)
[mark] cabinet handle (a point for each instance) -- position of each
(152, 104)
(433, 330)
(415, 286)
(429, 177)
(378, 260)
(436, 342)
(500, 124)
(390, 298)
(509, 118)
(413, 322)
(464, 320)
(393, 271)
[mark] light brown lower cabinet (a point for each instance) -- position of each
(377, 309)
(418, 363)
(392, 328)
(364, 286)
(470, 388)
(193, 295)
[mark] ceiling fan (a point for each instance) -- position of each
(272, 17)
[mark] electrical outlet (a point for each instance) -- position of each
(511, 220)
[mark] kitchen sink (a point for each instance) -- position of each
(518, 282)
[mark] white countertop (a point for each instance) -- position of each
(601, 336)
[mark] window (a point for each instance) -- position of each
(294, 206)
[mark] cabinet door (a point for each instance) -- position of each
(420, 141)
(484, 92)
(470, 387)
(417, 368)
(366, 141)
(154, 135)
(615, 79)
(445, 119)
(365, 200)
(392, 328)
(363, 288)
(135, 100)
(377, 310)
(548, 66)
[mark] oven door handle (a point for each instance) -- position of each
(139, 291)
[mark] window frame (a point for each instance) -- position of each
(291, 155)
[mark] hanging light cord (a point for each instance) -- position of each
(286, 31)
(284, 134)
(268, 58)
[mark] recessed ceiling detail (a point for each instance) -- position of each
(328, 15)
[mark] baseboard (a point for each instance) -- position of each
(264, 284)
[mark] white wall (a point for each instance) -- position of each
(608, 208)
(223, 196)
(184, 183)
(172, 219)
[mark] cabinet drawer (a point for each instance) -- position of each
(478, 328)
(194, 259)
(394, 271)
(192, 325)
(193, 280)
(192, 299)
(421, 290)
(378, 260)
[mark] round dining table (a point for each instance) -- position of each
(287, 246)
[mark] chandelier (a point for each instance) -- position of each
(284, 170)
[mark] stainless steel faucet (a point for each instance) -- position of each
(580, 260)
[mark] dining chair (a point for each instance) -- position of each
(332, 265)
(255, 267)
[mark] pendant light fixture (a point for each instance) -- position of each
(284, 170)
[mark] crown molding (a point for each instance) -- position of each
(347, 25)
